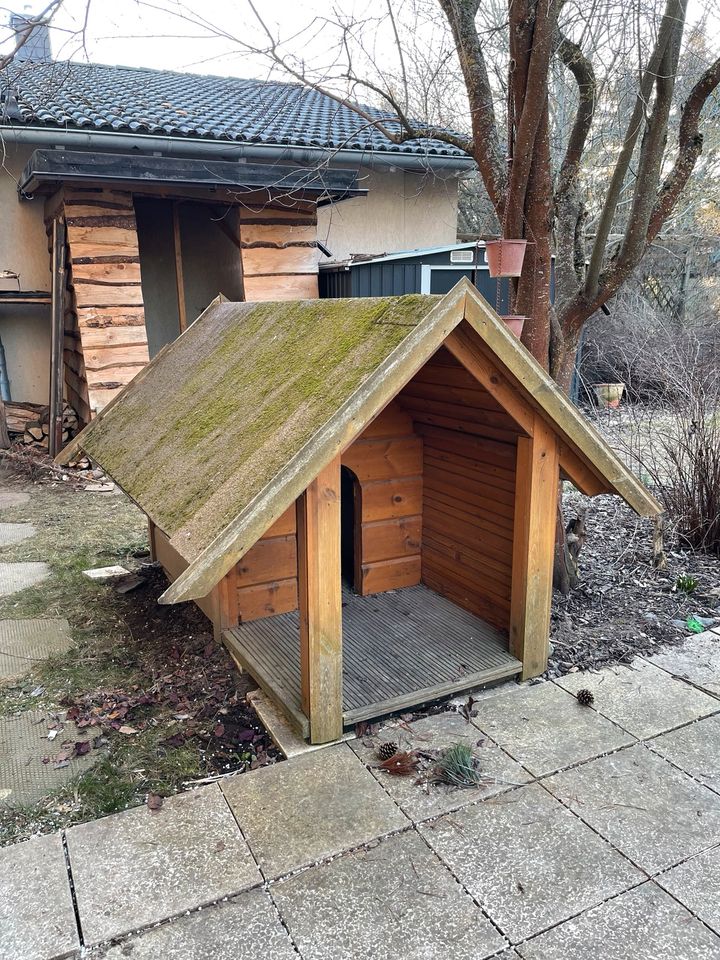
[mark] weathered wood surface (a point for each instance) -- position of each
(279, 254)
(538, 477)
(320, 604)
(399, 650)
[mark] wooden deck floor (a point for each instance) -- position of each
(400, 649)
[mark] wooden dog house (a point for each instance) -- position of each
(361, 494)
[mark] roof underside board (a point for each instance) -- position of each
(216, 416)
(49, 167)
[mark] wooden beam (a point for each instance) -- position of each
(225, 598)
(536, 493)
(57, 336)
(579, 473)
(320, 602)
(179, 278)
(466, 347)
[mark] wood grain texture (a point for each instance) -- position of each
(538, 477)
(282, 287)
(320, 605)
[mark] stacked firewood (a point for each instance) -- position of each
(29, 423)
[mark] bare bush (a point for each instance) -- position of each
(674, 442)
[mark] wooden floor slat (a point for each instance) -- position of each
(400, 648)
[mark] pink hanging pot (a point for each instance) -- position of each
(514, 324)
(505, 257)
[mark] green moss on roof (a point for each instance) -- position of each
(235, 399)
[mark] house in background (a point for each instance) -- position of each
(169, 188)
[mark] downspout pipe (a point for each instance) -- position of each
(114, 141)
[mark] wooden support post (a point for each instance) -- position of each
(320, 600)
(225, 596)
(151, 540)
(536, 492)
(179, 275)
(57, 338)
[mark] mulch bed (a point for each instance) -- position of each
(623, 606)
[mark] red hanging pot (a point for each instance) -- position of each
(505, 257)
(514, 324)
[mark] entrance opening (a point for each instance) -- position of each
(348, 523)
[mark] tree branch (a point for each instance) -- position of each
(573, 58)
(486, 147)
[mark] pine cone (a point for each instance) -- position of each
(585, 697)
(387, 750)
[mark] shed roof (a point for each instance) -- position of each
(225, 427)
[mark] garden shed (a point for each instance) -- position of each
(361, 494)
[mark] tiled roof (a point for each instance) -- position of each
(136, 100)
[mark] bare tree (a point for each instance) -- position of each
(506, 55)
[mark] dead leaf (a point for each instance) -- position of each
(128, 731)
(154, 802)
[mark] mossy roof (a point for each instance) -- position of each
(220, 433)
(203, 429)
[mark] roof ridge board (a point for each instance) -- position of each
(381, 386)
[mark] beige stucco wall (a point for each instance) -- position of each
(25, 330)
(402, 211)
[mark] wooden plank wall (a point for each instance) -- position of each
(279, 252)
(387, 461)
(105, 336)
(267, 576)
(469, 451)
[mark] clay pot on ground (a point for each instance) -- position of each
(609, 395)
(505, 257)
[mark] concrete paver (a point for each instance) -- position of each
(545, 729)
(695, 749)
(432, 734)
(11, 533)
(18, 576)
(37, 920)
(139, 867)
(528, 860)
(394, 901)
(653, 813)
(642, 698)
(24, 776)
(311, 807)
(244, 928)
(695, 883)
(24, 642)
(642, 924)
(696, 660)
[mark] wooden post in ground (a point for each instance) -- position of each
(58, 332)
(225, 604)
(320, 601)
(536, 492)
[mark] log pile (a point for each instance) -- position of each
(29, 423)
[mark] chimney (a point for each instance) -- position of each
(37, 44)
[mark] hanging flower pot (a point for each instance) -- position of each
(505, 257)
(515, 324)
(609, 395)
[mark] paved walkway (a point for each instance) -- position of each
(597, 835)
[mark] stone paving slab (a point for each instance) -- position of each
(244, 928)
(529, 862)
(642, 698)
(696, 660)
(24, 777)
(311, 807)
(24, 642)
(394, 901)
(18, 576)
(696, 884)
(11, 533)
(37, 920)
(436, 733)
(695, 749)
(642, 924)
(12, 498)
(652, 812)
(544, 728)
(139, 867)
